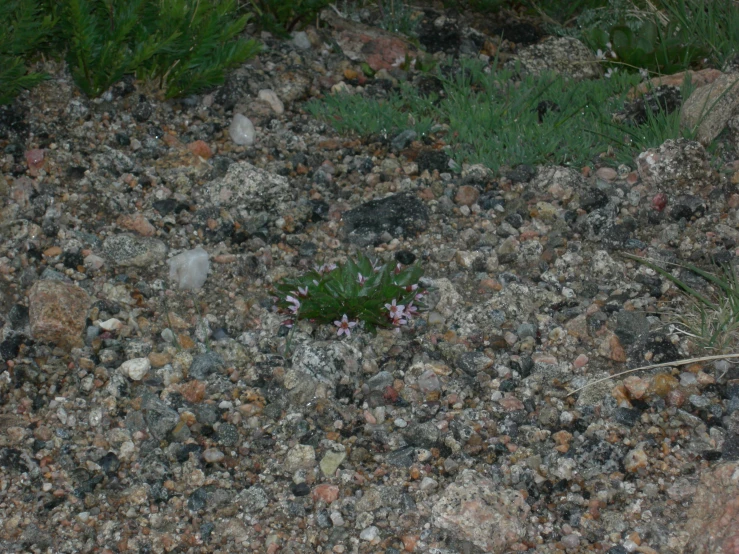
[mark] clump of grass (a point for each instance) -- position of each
(184, 45)
(663, 36)
(713, 319)
(24, 29)
(349, 113)
(285, 16)
(715, 23)
(496, 117)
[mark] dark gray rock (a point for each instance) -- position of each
(402, 457)
(425, 435)
(398, 215)
(380, 381)
(626, 416)
(631, 327)
(228, 435)
(687, 206)
(160, 418)
(403, 139)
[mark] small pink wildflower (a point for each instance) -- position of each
(395, 310)
(410, 310)
(411, 288)
(398, 321)
(303, 291)
(295, 304)
(361, 279)
(345, 326)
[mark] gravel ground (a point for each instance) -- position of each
(137, 417)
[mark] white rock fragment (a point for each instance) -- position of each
(111, 324)
(213, 455)
(190, 268)
(136, 368)
(301, 40)
(93, 262)
(340, 88)
(428, 484)
(269, 96)
(370, 533)
(242, 130)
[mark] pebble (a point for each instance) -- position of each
(606, 173)
(301, 40)
(242, 130)
(300, 456)
(136, 368)
(57, 312)
(213, 455)
(369, 533)
(111, 324)
(571, 541)
(635, 460)
(189, 269)
(428, 484)
(326, 493)
(466, 195)
(127, 250)
(331, 461)
(271, 98)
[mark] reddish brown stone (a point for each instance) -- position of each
(511, 404)
(58, 311)
(426, 194)
(618, 354)
(193, 391)
(384, 52)
(137, 223)
(35, 159)
(467, 195)
(327, 493)
(171, 140)
(200, 148)
(606, 173)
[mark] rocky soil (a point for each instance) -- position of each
(139, 417)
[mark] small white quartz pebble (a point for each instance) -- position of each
(301, 40)
(242, 130)
(428, 484)
(93, 262)
(370, 533)
(135, 369)
(269, 96)
(111, 324)
(190, 268)
(213, 455)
